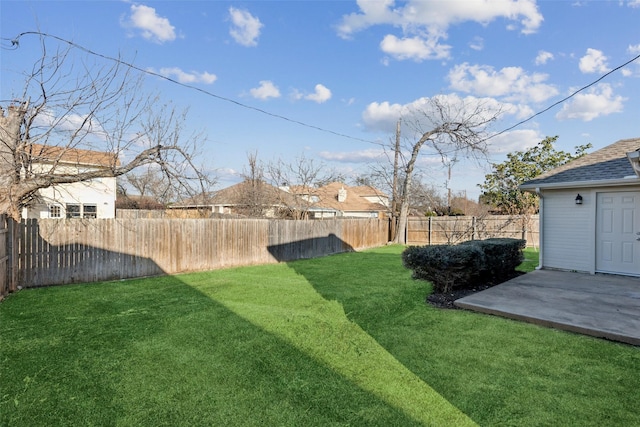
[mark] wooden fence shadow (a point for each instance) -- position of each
(309, 248)
(39, 262)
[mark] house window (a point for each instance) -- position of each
(55, 211)
(74, 211)
(89, 211)
(82, 211)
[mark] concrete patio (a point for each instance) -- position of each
(601, 305)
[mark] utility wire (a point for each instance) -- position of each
(15, 44)
(565, 98)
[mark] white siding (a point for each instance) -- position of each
(100, 192)
(383, 200)
(568, 230)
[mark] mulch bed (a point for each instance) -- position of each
(445, 300)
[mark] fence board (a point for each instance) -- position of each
(49, 251)
(451, 230)
(5, 235)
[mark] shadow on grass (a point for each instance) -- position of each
(359, 280)
(497, 371)
(160, 352)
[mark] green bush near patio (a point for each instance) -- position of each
(464, 265)
(339, 340)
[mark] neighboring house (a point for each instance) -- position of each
(259, 199)
(89, 199)
(590, 212)
(340, 200)
(247, 198)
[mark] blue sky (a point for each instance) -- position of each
(352, 68)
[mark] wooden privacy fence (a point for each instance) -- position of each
(74, 251)
(5, 282)
(456, 229)
(59, 251)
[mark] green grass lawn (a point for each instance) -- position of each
(339, 340)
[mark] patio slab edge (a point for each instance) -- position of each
(612, 336)
(601, 305)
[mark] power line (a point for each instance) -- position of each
(15, 44)
(565, 98)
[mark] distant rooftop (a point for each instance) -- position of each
(75, 156)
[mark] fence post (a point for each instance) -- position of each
(430, 228)
(12, 252)
(473, 228)
(4, 254)
(406, 232)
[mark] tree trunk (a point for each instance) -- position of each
(10, 126)
(401, 233)
(394, 196)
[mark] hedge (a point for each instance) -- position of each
(464, 265)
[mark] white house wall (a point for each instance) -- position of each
(100, 192)
(361, 214)
(383, 200)
(568, 230)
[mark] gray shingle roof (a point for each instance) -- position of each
(608, 163)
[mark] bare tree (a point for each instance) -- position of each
(149, 182)
(80, 104)
(450, 129)
(299, 180)
(424, 198)
(256, 198)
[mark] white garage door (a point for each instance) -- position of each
(618, 233)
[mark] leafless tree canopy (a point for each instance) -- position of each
(451, 130)
(70, 103)
(299, 178)
(256, 197)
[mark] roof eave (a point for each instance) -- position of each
(627, 181)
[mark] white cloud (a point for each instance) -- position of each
(362, 156)
(593, 62)
(245, 27)
(421, 14)
(477, 43)
(383, 116)
(265, 91)
(322, 94)
(634, 3)
(599, 101)
(152, 27)
(296, 95)
(511, 83)
(517, 140)
(80, 124)
(414, 48)
(184, 77)
(425, 23)
(632, 69)
(543, 57)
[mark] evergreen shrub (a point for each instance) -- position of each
(464, 265)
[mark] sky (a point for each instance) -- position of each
(328, 80)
